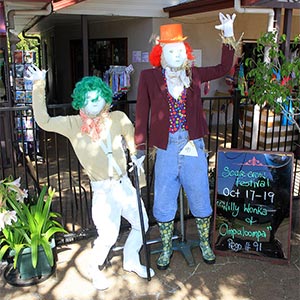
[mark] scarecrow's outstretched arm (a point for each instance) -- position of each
(59, 124)
(227, 32)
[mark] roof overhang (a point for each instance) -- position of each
(128, 8)
(22, 15)
(289, 4)
(202, 6)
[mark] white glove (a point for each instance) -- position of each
(226, 24)
(138, 162)
(34, 73)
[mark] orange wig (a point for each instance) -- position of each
(155, 54)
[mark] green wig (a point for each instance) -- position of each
(87, 84)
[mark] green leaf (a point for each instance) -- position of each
(48, 250)
(51, 231)
(17, 250)
(3, 250)
(35, 241)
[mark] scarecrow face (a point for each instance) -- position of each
(95, 103)
(174, 54)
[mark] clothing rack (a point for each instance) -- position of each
(118, 78)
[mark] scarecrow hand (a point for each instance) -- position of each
(34, 73)
(226, 24)
(138, 162)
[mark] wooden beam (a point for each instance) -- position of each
(290, 4)
(199, 6)
(278, 18)
(60, 4)
(85, 44)
(287, 27)
(2, 20)
(45, 1)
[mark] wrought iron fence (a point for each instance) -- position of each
(44, 158)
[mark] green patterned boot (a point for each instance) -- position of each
(203, 226)
(166, 233)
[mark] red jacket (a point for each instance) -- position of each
(152, 109)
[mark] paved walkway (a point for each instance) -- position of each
(230, 278)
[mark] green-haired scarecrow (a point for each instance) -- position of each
(96, 136)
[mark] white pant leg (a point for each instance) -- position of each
(106, 214)
(130, 212)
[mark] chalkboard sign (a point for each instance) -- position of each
(253, 201)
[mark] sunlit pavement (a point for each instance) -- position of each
(230, 278)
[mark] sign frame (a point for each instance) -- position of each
(252, 212)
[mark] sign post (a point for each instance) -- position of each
(253, 202)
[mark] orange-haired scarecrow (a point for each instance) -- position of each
(170, 118)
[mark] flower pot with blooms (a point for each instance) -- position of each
(275, 77)
(29, 226)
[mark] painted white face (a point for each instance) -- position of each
(95, 103)
(174, 54)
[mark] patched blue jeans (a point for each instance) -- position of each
(172, 171)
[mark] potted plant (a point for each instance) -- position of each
(275, 77)
(27, 228)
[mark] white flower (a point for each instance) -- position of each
(21, 195)
(16, 182)
(2, 216)
(7, 217)
(15, 186)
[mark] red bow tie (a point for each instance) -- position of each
(91, 126)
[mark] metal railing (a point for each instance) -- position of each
(44, 158)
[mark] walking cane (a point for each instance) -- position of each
(138, 196)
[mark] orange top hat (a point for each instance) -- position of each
(171, 33)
